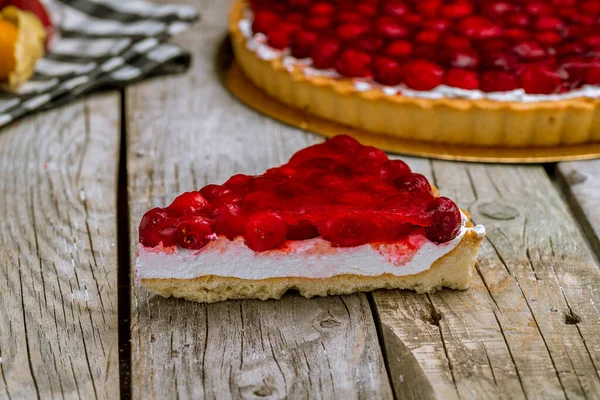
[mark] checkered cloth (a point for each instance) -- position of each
(101, 44)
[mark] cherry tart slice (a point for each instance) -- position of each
(339, 217)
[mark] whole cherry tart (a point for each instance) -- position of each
(339, 206)
(476, 72)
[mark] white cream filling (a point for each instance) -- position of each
(314, 258)
(258, 44)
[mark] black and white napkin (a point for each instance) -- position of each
(101, 44)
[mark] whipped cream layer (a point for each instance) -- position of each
(314, 258)
(257, 43)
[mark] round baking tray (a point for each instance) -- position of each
(244, 90)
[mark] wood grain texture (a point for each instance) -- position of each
(529, 327)
(58, 259)
(581, 182)
(187, 131)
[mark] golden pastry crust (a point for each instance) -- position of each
(452, 270)
(481, 122)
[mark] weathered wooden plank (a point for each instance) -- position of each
(58, 259)
(529, 326)
(184, 132)
(581, 180)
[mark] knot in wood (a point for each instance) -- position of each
(329, 323)
(575, 178)
(498, 211)
(571, 318)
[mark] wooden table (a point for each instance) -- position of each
(75, 181)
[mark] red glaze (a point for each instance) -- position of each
(345, 192)
(490, 45)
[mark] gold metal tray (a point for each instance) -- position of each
(253, 97)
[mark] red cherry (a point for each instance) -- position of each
(519, 20)
(529, 50)
(390, 29)
(264, 231)
(193, 232)
(457, 10)
(516, 34)
(264, 20)
(318, 23)
(157, 227)
(348, 16)
(351, 30)
(344, 143)
(295, 17)
(412, 19)
(498, 81)
(211, 192)
(189, 203)
(423, 75)
(427, 37)
(278, 36)
(541, 79)
(349, 230)
(591, 7)
(478, 27)
(227, 220)
(415, 184)
(548, 22)
(237, 182)
(571, 49)
(538, 8)
(301, 230)
(445, 220)
(437, 24)
(387, 71)
(428, 8)
(592, 77)
(462, 58)
(262, 183)
(369, 43)
(299, 3)
(548, 38)
(592, 40)
(461, 78)
(353, 63)
(302, 43)
(499, 59)
(395, 8)
(372, 155)
(497, 9)
(394, 169)
(322, 8)
(325, 53)
(366, 9)
(399, 49)
(455, 42)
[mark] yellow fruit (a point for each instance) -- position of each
(9, 34)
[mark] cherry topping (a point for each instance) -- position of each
(193, 232)
(264, 231)
(189, 203)
(423, 75)
(349, 193)
(156, 227)
(445, 220)
(413, 183)
(302, 43)
(387, 71)
(349, 230)
(461, 78)
(325, 53)
(353, 63)
(424, 43)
